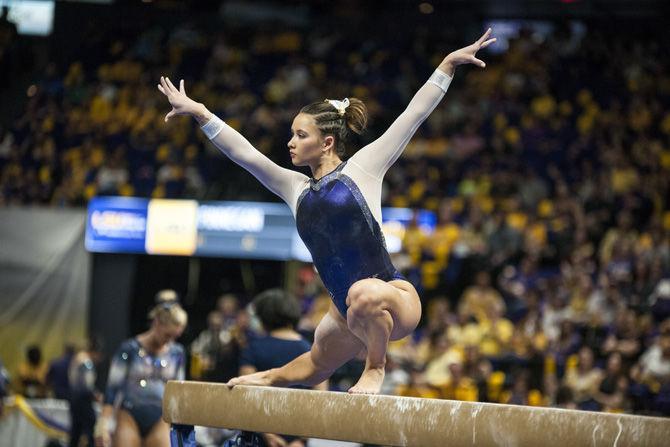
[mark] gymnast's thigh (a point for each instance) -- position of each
(127, 433)
(334, 344)
(159, 436)
(405, 307)
(398, 297)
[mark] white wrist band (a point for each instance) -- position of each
(441, 79)
(213, 126)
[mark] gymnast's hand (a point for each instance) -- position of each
(261, 378)
(272, 440)
(466, 55)
(180, 102)
(101, 432)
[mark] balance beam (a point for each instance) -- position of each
(402, 421)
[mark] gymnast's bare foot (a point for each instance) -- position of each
(261, 378)
(370, 382)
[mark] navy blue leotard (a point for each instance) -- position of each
(338, 216)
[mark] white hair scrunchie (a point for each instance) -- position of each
(340, 106)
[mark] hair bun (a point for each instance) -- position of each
(339, 119)
(167, 309)
(166, 296)
(356, 115)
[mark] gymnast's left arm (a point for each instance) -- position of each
(181, 359)
(377, 157)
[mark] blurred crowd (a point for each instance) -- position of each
(547, 278)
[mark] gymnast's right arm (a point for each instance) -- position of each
(118, 372)
(300, 371)
(283, 182)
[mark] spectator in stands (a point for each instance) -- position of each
(205, 348)
(216, 350)
(4, 386)
(481, 299)
(228, 306)
(32, 374)
(659, 300)
(520, 392)
(564, 399)
(650, 377)
(82, 376)
(460, 386)
(8, 53)
(612, 392)
(57, 376)
(568, 343)
(279, 314)
(583, 379)
(113, 176)
(655, 362)
(417, 386)
(624, 337)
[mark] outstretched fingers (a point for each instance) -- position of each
(164, 87)
(167, 88)
(487, 43)
(170, 85)
(484, 37)
(478, 62)
(482, 42)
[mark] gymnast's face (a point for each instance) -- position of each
(307, 143)
(167, 332)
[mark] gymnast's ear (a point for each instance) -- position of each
(328, 143)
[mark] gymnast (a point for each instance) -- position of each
(338, 216)
(137, 376)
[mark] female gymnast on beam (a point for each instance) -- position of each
(338, 215)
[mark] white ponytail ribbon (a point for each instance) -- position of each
(340, 106)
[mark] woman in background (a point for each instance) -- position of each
(137, 376)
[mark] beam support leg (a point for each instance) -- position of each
(182, 436)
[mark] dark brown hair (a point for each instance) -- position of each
(329, 121)
(277, 309)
